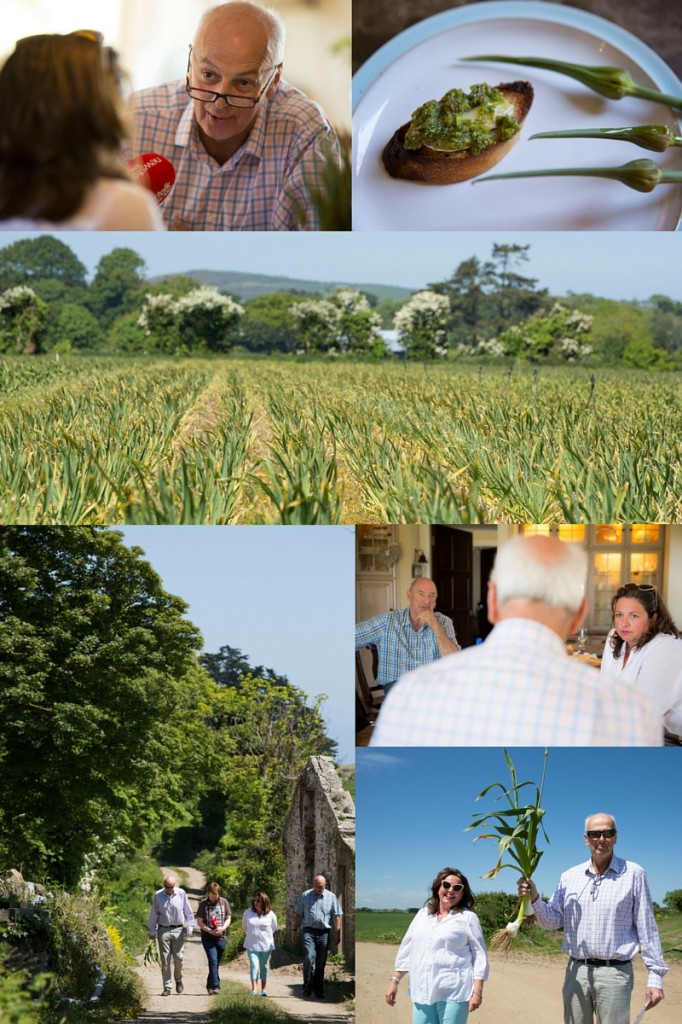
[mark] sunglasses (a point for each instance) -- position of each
(601, 833)
(636, 588)
(455, 886)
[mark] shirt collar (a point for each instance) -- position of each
(616, 867)
(542, 636)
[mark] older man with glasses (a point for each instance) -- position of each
(247, 147)
(169, 911)
(605, 909)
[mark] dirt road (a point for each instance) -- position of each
(521, 990)
(192, 1006)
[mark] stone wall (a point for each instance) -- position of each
(319, 839)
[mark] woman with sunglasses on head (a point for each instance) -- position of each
(62, 126)
(444, 953)
(644, 648)
(260, 924)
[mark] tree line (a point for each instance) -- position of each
(118, 731)
(485, 310)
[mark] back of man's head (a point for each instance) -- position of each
(542, 569)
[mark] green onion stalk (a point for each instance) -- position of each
(612, 83)
(151, 954)
(656, 137)
(641, 175)
(516, 830)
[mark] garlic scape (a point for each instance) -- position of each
(655, 137)
(641, 175)
(612, 83)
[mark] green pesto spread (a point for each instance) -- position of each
(473, 121)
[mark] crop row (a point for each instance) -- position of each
(106, 441)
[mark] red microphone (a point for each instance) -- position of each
(154, 172)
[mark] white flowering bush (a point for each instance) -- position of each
(22, 315)
(422, 324)
(559, 333)
(201, 320)
(317, 324)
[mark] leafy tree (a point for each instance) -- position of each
(102, 702)
(422, 324)
(40, 259)
(268, 323)
(467, 290)
(75, 324)
(674, 899)
(126, 334)
(229, 666)
(22, 317)
(641, 354)
(116, 285)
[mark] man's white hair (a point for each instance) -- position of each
(558, 582)
(602, 814)
(268, 17)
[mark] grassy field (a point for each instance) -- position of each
(390, 926)
(114, 440)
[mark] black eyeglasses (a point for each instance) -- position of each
(601, 833)
(208, 96)
(455, 886)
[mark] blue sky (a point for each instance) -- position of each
(413, 804)
(619, 265)
(283, 595)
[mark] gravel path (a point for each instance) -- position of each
(193, 1005)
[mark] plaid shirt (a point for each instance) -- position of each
(605, 917)
(400, 646)
(262, 186)
(519, 688)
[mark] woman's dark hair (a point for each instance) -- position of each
(468, 899)
(654, 605)
(265, 900)
(61, 124)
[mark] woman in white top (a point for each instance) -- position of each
(259, 924)
(62, 126)
(444, 953)
(644, 648)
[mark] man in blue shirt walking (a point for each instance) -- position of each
(319, 911)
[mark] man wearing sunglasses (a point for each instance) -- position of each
(605, 909)
(247, 147)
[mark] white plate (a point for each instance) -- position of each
(423, 62)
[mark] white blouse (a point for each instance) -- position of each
(655, 669)
(259, 931)
(443, 957)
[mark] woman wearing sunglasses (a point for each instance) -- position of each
(62, 126)
(444, 953)
(644, 648)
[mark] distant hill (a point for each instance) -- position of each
(250, 286)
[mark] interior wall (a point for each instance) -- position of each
(153, 36)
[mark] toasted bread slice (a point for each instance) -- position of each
(438, 167)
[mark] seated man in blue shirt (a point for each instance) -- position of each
(408, 638)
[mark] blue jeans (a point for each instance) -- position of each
(315, 947)
(214, 948)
